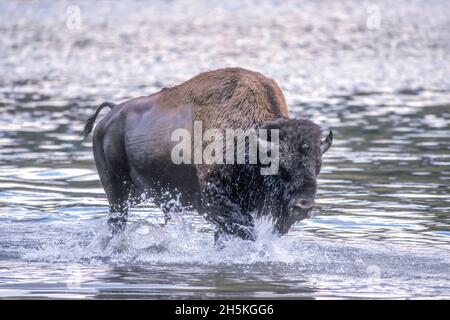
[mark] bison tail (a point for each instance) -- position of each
(90, 122)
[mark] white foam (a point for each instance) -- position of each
(181, 241)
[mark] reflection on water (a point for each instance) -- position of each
(382, 225)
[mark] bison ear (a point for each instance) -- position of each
(326, 144)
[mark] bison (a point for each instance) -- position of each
(132, 148)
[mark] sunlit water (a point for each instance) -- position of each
(382, 224)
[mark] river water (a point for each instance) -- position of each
(377, 73)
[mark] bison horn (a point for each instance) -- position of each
(326, 144)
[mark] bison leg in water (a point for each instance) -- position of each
(117, 188)
(227, 215)
(112, 167)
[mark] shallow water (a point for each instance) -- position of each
(382, 224)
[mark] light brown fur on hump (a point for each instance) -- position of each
(233, 98)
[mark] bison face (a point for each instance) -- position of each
(300, 159)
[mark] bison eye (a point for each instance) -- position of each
(284, 174)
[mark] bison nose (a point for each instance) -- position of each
(304, 204)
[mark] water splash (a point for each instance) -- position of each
(180, 241)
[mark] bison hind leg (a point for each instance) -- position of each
(118, 196)
(118, 188)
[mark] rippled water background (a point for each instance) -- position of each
(382, 225)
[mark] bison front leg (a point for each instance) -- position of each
(226, 214)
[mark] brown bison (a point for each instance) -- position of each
(133, 143)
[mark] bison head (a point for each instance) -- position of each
(291, 192)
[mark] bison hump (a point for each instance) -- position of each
(235, 97)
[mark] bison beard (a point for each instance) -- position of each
(132, 149)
